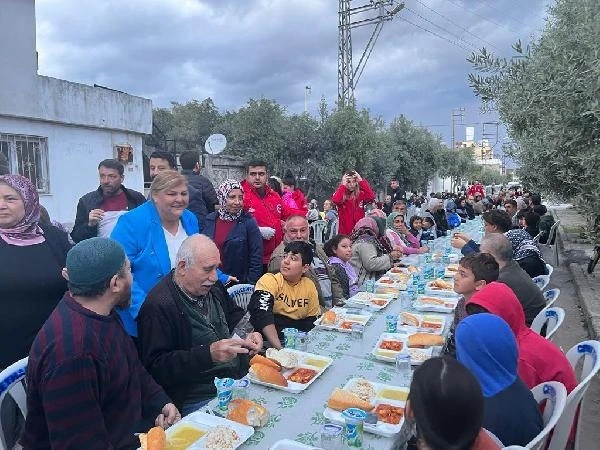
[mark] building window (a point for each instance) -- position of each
(27, 156)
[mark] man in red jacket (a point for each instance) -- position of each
(266, 207)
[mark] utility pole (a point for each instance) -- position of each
(456, 112)
(307, 92)
(348, 77)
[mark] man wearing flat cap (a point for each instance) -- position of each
(86, 387)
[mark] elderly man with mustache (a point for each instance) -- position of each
(189, 328)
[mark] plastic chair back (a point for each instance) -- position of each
(555, 395)
(552, 233)
(541, 281)
(551, 317)
(551, 295)
(590, 352)
(12, 383)
(317, 228)
(549, 269)
(241, 293)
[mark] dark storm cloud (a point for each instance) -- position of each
(232, 50)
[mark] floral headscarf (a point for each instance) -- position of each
(366, 229)
(390, 225)
(26, 231)
(522, 244)
(222, 192)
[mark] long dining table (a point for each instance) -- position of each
(299, 416)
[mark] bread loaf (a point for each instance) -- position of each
(155, 439)
(422, 340)
(267, 374)
(259, 359)
(247, 412)
(341, 400)
(287, 359)
(409, 319)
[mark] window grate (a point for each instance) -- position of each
(27, 156)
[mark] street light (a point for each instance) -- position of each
(307, 92)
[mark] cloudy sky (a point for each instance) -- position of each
(233, 50)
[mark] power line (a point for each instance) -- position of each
(441, 28)
(458, 5)
(456, 24)
(435, 34)
(504, 13)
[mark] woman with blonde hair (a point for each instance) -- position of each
(151, 235)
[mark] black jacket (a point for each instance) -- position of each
(206, 198)
(93, 200)
(165, 339)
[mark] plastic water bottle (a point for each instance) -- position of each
(403, 368)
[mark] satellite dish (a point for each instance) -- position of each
(215, 143)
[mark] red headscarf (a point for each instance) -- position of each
(26, 231)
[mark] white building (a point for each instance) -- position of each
(56, 132)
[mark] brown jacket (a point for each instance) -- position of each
(336, 289)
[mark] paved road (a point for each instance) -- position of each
(574, 328)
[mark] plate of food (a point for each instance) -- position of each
(435, 303)
(441, 287)
(341, 319)
(451, 270)
(399, 274)
(287, 369)
(386, 402)
(386, 281)
(390, 344)
(199, 430)
(370, 300)
(412, 322)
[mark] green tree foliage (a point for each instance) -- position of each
(549, 97)
(317, 150)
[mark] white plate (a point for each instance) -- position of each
(448, 307)
(386, 281)
(434, 318)
(382, 428)
(417, 355)
(293, 387)
(206, 422)
(362, 318)
(363, 299)
(288, 444)
(429, 289)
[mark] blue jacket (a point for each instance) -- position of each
(141, 234)
(243, 247)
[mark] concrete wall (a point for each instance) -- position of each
(74, 154)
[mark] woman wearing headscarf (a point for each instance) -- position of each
(33, 255)
(486, 345)
(446, 404)
(539, 359)
(236, 234)
(526, 253)
(400, 236)
(372, 254)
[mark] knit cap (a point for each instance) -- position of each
(94, 260)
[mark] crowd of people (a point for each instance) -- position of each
(135, 317)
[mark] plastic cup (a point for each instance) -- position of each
(224, 392)
(354, 419)
(290, 336)
(391, 323)
(331, 436)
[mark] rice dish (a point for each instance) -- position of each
(363, 389)
(221, 438)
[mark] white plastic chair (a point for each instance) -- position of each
(552, 241)
(590, 352)
(335, 224)
(241, 293)
(551, 317)
(317, 227)
(551, 295)
(555, 395)
(12, 383)
(549, 269)
(541, 281)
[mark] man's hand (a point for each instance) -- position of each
(254, 342)
(457, 242)
(95, 216)
(462, 236)
(226, 349)
(232, 279)
(168, 416)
